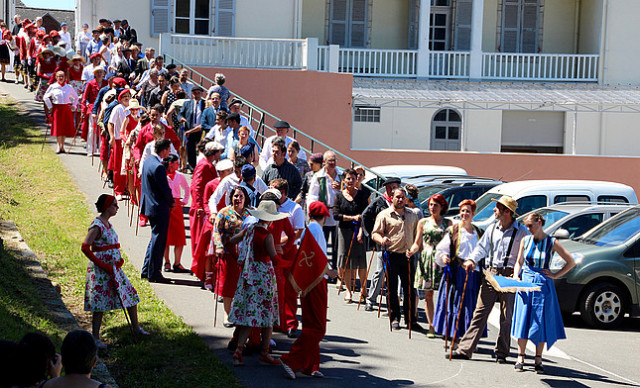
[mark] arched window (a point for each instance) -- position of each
(446, 128)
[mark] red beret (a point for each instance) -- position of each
(120, 81)
(318, 208)
(95, 55)
(123, 93)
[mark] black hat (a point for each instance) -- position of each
(116, 21)
(248, 172)
(197, 87)
(125, 49)
(235, 101)
(171, 66)
(281, 124)
(393, 179)
(124, 21)
(233, 117)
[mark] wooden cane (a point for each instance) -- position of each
(410, 313)
(446, 311)
(124, 310)
(138, 223)
(346, 264)
(366, 278)
(215, 295)
(44, 139)
(133, 206)
(455, 331)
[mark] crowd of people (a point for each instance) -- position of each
(250, 203)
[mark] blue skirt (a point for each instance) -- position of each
(536, 315)
(447, 308)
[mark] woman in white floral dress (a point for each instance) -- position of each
(107, 286)
(255, 303)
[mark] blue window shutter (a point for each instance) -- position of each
(225, 17)
(160, 17)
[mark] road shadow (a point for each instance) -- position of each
(572, 374)
(629, 324)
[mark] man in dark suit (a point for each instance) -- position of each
(190, 117)
(127, 33)
(156, 203)
(126, 65)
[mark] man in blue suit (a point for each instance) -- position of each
(156, 203)
(190, 117)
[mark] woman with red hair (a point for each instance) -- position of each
(430, 231)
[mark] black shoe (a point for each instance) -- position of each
(519, 367)
(180, 269)
(368, 307)
(395, 325)
(292, 333)
(501, 360)
(228, 325)
(160, 279)
(539, 368)
(457, 356)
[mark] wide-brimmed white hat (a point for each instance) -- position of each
(267, 211)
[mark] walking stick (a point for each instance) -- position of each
(215, 295)
(446, 308)
(138, 223)
(410, 313)
(73, 143)
(386, 270)
(124, 310)
(455, 331)
(346, 264)
(133, 206)
(44, 139)
(384, 276)
(366, 278)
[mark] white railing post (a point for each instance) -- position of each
(310, 54)
(475, 58)
(165, 44)
(422, 60)
(334, 58)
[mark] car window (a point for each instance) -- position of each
(571, 198)
(612, 199)
(616, 230)
(532, 202)
(578, 225)
(485, 206)
(551, 216)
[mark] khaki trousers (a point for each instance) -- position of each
(487, 297)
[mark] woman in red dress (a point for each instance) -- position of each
(60, 98)
(130, 123)
(74, 77)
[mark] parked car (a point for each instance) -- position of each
(573, 219)
(534, 194)
(408, 171)
(455, 191)
(605, 283)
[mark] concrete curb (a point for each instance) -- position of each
(14, 243)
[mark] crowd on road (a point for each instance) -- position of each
(252, 203)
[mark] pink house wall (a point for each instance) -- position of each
(320, 105)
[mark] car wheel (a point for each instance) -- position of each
(603, 306)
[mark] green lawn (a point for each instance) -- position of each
(39, 195)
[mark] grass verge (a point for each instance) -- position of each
(39, 195)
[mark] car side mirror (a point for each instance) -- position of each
(561, 234)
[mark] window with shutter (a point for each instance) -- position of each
(348, 24)
(462, 31)
(160, 17)
(191, 17)
(445, 130)
(225, 17)
(520, 26)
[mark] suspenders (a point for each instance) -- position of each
(508, 252)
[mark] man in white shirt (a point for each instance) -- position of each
(282, 130)
(231, 181)
(295, 212)
(95, 61)
(118, 114)
(234, 107)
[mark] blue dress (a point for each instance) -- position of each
(536, 315)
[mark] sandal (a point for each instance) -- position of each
(538, 365)
(266, 359)
(237, 358)
(167, 267)
(519, 367)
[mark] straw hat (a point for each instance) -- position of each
(508, 202)
(59, 51)
(267, 211)
(80, 57)
(134, 104)
(46, 50)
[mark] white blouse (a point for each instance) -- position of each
(468, 242)
(57, 94)
(179, 187)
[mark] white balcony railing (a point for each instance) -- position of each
(540, 67)
(378, 63)
(296, 54)
(234, 52)
(448, 64)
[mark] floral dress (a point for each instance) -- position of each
(428, 273)
(255, 303)
(99, 292)
(228, 222)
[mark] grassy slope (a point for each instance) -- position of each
(39, 195)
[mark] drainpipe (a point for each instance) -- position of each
(576, 29)
(604, 49)
(297, 19)
(603, 130)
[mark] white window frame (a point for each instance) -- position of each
(447, 124)
(192, 18)
(366, 114)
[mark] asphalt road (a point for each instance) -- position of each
(359, 349)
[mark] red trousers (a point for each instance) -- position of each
(290, 304)
(115, 165)
(305, 352)
(200, 256)
(280, 281)
(196, 223)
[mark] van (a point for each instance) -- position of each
(408, 171)
(534, 194)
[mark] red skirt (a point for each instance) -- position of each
(200, 257)
(62, 121)
(228, 275)
(176, 235)
(115, 157)
(85, 121)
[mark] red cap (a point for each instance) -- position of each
(318, 208)
(53, 33)
(95, 55)
(120, 81)
(123, 93)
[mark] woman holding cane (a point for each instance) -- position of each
(107, 287)
(451, 251)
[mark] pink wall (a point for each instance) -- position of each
(320, 105)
